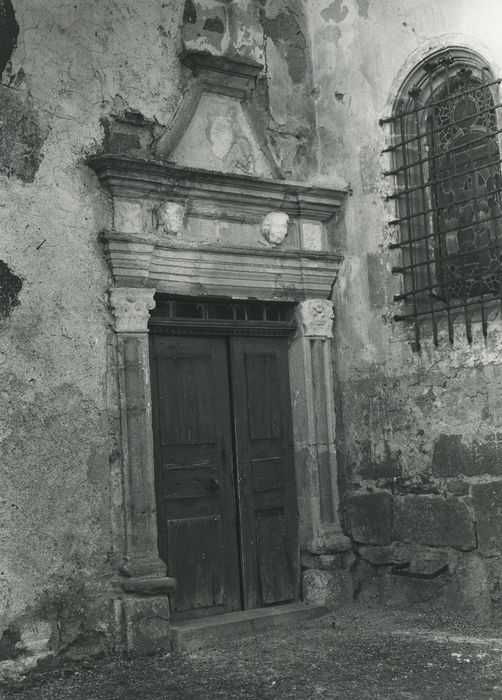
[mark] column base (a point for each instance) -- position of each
(142, 565)
(329, 542)
(142, 624)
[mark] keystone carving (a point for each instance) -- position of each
(316, 317)
(168, 218)
(131, 307)
(275, 227)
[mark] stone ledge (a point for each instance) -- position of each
(190, 635)
(149, 586)
(203, 62)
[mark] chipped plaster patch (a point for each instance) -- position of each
(362, 8)
(288, 36)
(337, 11)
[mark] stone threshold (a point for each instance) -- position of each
(190, 635)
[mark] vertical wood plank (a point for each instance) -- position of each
(265, 470)
(195, 482)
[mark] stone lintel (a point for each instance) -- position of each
(269, 275)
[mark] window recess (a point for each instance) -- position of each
(446, 172)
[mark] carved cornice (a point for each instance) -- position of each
(143, 257)
(131, 307)
(316, 318)
(218, 271)
(134, 178)
(226, 75)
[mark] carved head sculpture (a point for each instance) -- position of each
(168, 218)
(275, 227)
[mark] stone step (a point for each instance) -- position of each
(190, 635)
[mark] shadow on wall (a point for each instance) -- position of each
(10, 286)
(9, 29)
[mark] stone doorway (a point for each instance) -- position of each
(193, 233)
(224, 458)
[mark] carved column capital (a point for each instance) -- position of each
(131, 307)
(316, 318)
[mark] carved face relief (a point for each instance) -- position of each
(275, 227)
(168, 218)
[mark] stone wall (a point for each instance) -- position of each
(71, 66)
(77, 80)
(418, 432)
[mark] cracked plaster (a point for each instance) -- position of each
(77, 67)
(57, 408)
(425, 423)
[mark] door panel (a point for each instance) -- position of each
(265, 470)
(191, 543)
(195, 486)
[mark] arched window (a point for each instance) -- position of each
(446, 167)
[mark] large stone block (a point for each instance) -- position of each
(434, 521)
(378, 556)
(488, 513)
(378, 461)
(146, 624)
(369, 517)
(332, 588)
(453, 456)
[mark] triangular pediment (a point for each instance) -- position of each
(219, 137)
(216, 128)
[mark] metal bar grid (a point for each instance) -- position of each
(460, 148)
(431, 183)
(415, 112)
(394, 118)
(448, 185)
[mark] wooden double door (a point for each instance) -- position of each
(225, 479)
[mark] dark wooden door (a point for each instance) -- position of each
(225, 472)
(195, 481)
(265, 471)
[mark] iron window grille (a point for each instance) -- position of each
(447, 173)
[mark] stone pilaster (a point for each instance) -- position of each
(141, 608)
(131, 308)
(314, 429)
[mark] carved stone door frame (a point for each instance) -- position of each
(145, 260)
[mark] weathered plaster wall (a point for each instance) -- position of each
(419, 433)
(82, 78)
(74, 64)
(274, 33)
